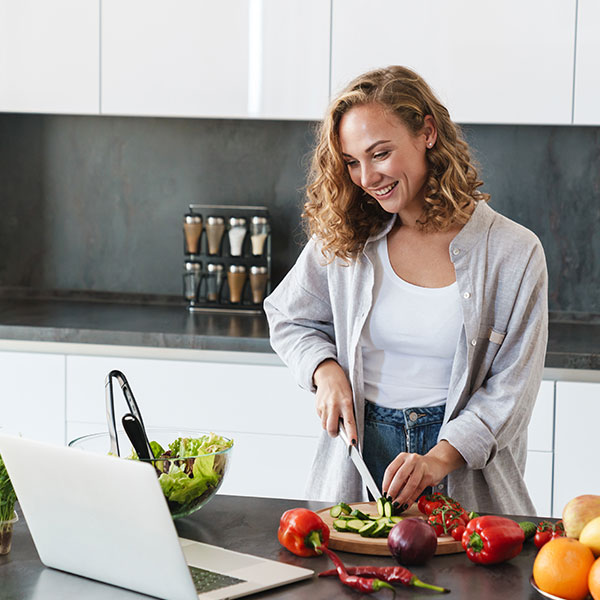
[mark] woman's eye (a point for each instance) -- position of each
(351, 163)
(381, 155)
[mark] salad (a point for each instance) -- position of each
(190, 470)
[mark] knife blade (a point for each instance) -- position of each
(360, 464)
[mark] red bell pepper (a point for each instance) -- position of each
(547, 531)
(490, 539)
(303, 532)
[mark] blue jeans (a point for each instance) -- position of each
(389, 431)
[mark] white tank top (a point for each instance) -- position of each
(409, 339)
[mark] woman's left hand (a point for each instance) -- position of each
(409, 473)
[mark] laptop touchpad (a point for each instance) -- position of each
(217, 559)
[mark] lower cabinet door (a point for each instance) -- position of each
(538, 477)
(576, 435)
(33, 395)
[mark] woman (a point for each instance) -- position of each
(416, 313)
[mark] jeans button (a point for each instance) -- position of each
(413, 416)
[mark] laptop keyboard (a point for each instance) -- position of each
(207, 581)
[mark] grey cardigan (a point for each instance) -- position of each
(318, 312)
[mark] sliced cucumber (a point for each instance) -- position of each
(388, 509)
(380, 504)
(359, 514)
(335, 511)
(340, 525)
(396, 519)
(367, 529)
(355, 524)
(345, 508)
(380, 530)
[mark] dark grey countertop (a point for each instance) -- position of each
(574, 339)
(250, 525)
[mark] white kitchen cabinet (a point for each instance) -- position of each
(490, 62)
(587, 66)
(49, 56)
(227, 59)
(32, 398)
(540, 446)
(576, 434)
(272, 421)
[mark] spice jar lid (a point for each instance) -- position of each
(193, 218)
(237, 269)
(193, 266)
(258, 270)
(237, 222)
(256, 220)
(214, 268)
(214, 220)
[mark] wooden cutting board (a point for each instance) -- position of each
(352, 542)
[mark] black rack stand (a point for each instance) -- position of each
(197, 297)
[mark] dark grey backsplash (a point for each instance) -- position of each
(96, 203)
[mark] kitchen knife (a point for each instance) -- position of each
(359, 463)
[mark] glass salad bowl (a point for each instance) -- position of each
(190, 465)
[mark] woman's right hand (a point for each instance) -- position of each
(334, 399)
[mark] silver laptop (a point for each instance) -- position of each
(107, 519)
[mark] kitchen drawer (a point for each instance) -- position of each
(202, 395)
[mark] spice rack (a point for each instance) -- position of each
(227, 251)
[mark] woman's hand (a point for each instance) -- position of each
(409, 474)
(334, 399)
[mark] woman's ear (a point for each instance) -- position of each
(429, 131)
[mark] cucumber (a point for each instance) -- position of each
(340, 525)
(367, 529)
(380, 530)
(528, 528)
(396, 519)
(359, 514)
(380, 503)
(335, 511)
(388, 509)
(355, 524)
(345, 508)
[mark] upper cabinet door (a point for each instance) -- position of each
(490, 62)
(225, 59)
(49, 56)
(587, 68)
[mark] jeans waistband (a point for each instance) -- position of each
(418, 416)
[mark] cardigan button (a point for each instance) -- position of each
(455, 251)
(473, 342)
(467, 295)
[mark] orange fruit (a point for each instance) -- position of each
(594, 580)
(561, 567)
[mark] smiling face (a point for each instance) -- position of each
(385, 159)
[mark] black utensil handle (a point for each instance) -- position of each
(137, 437)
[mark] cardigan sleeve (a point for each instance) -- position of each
(300, 317)
(502, 396)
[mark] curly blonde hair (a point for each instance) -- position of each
(339, 213)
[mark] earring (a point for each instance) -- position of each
(430, 144)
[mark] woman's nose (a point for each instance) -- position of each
(368, 176)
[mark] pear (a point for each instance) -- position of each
(578, 512)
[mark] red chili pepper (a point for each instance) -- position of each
(303, 532)
(490, 539)
(389, 574)
(367, 585)
(547, 531)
